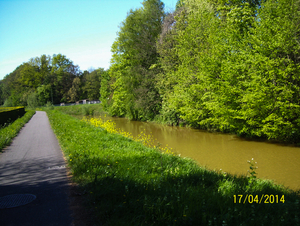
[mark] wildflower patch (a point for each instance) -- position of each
(110, 126)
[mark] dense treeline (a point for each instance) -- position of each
(230, 66)
(221, 65)
(49, 79)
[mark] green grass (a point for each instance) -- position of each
(8, 132)
(126, 183)
(82, 109)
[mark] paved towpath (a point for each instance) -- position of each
(33, 164)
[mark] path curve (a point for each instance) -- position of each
(34, 164)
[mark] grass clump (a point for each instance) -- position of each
(127, 183)
(8, 132)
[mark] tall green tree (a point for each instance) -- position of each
(273, 99)
(168, 63)
(63, 72)
(233, 66)
(92, 84)
(134, 51)
(105, 89)
(74, 91)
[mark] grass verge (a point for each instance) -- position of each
(126, 183)
(81, 109)
(7, 133)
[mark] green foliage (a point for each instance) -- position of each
(49, 106)
(8, 103)
(33, 100)
(179, 4)
(74, 91)
(92, 84)
(105, 89)
(232, 66)
(63, 72)
(252, 173)
(54, 79)
(44, 94)
(134, 51)
(87, 110)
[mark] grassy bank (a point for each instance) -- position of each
(8, 132)
(126, 183)
(82, 109)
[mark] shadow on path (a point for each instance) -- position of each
(33, 164)
(47, 182)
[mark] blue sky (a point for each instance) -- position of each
(81, 30)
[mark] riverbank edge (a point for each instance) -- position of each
(105, 186)
(97, 110)
(9, 132)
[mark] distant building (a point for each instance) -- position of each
(87, 101)
(94, 102)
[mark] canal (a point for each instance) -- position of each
(224, 151)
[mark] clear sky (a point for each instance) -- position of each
(83, 31)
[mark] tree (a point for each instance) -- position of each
(134, 52)
(275, 68)
(74, 92)
(30, 76)
(105, 89)
(49, 79)
(168, 62)
(63, 72)
(44, 94)
(92, 84)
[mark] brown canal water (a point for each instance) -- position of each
(223, 151)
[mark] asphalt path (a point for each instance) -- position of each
(34, 164)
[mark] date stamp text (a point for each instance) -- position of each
(242, 199)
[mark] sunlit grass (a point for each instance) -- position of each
(127, 183)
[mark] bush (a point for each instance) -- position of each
(33, 100)
(49, 105)
(8, 103)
